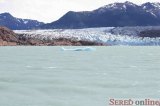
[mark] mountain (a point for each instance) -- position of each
(153, 8)
(112, 15)
(13, 23)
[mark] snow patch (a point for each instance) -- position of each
(124, 6)
(157, 5)
(19, 20)
(25, 22)
(151, 12)
(144, 7)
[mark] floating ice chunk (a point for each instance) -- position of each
(79, 49)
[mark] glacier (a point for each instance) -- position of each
(107, 35)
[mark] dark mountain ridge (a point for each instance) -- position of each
(112, 15)
(7, 20)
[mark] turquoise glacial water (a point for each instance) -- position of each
(47, 76)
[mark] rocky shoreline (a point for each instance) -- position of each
(81, 37)
(9, 38)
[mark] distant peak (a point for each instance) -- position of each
(70, 12)
(151, 5)
(117, 5)
(6, 14)
(148, 4)
(128, 2)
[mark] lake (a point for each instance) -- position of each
(48, 76)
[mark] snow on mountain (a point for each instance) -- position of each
(111, 15)
(122, 6)
(148, 7)
(25, 22)
(153, 8)
(7, 20)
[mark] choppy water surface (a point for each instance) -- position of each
(47, 76)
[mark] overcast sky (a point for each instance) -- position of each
(51, 10)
